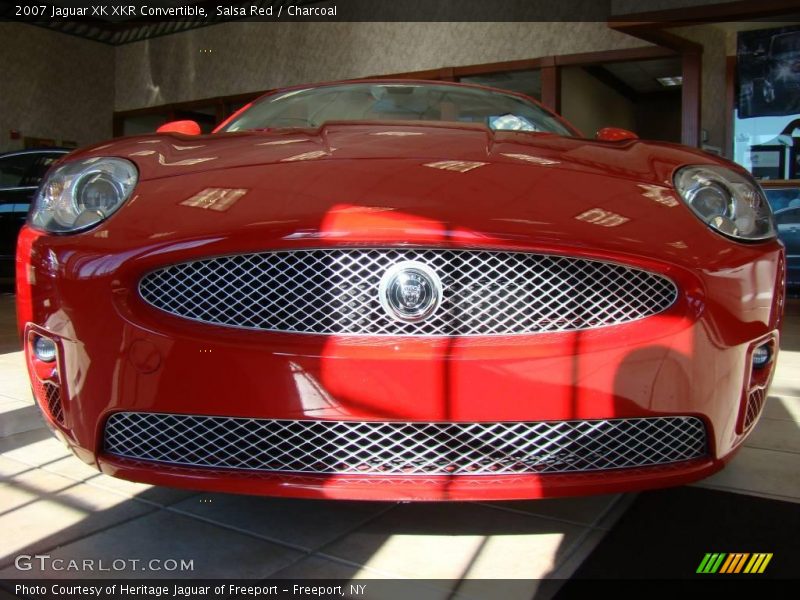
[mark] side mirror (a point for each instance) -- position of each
(615, 134)
(184, 127)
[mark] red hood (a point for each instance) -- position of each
(167, 155)
(391, 183)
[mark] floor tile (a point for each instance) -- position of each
(776, 434)
(58, 510)
(584, 510)
(479, 542)
(14, 358)
(317, 567)
(782, 407)
(760, 472)
(34, 447)
(9, 467)
(75, 469)
(14, 382)
(579, 553)
(216, 552)
(788, 388)
(18, 417)
(616, 510)
(307, 524)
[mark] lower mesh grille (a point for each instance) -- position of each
(755, 402)
(404, 448)
(49, 396)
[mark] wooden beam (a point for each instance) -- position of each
(692, 64)
(447, 74)
(730, 103)
(529, 64)
(610, 56)
(551, 88)
(654, 33)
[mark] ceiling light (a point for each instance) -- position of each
(670, 81)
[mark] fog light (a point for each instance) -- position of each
(44, 349)
(761, 356)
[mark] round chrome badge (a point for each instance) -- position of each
(410, 291)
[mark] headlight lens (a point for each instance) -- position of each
(80, 194)
(728, 202)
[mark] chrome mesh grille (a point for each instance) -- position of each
(755, 402)
(49, 395)
(404, 448)
(335, 291)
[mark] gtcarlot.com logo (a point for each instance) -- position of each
(44, 562)
(735, 562)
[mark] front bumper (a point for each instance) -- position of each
(117, 354)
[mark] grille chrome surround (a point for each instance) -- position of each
(404, 448)
(335, 291)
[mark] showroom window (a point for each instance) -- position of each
(523, 82)
(643, 96)
(766, 137)
(766, 123)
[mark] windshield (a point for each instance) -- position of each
(313, 107)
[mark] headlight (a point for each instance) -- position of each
(731, 203)
(79, 195)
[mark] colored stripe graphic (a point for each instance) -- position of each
(722, 562)
(731, 560)
(734, 563)
(703, 564)
(758, 563)
(711, 562)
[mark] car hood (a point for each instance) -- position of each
(415, 184)
(170, 155)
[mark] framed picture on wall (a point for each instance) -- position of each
(769, 161)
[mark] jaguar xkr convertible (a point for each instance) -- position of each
(400, 290)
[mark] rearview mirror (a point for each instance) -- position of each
(184, 127)
(615, 134)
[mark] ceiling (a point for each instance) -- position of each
(642, 76)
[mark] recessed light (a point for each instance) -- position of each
(670, 81)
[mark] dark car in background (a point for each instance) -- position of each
(788, 222)
(785, 203)
(20, 174)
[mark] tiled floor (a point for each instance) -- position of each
(52, 503)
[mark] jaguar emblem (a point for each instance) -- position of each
(410, 291)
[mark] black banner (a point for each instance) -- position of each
(127, 11)
(118, 11)
(385, 589)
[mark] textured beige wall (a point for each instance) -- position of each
(54, 86)
(247, 57)
(589, 104)
(59, 86)
(712, 109)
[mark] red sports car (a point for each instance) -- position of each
(400, 290)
